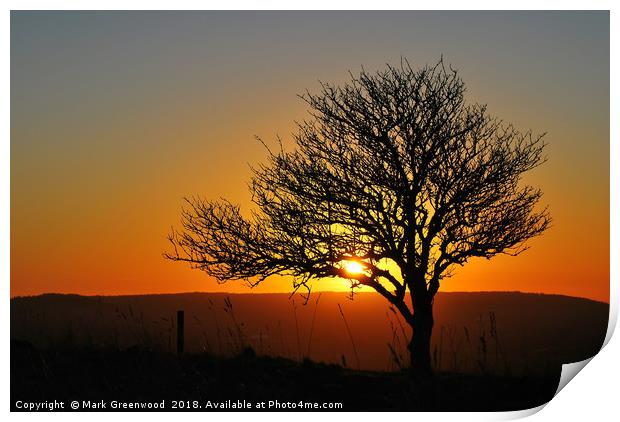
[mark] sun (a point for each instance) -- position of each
(353, 267)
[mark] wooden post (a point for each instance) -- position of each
(180, 332)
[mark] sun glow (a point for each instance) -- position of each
(353, 267)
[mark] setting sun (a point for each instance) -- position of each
(353, 267)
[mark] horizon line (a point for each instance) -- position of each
(290, 295)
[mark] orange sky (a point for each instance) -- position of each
(110, 129)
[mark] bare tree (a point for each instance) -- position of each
(394, 181)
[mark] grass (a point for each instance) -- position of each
(140, 375)
(299, 355)
(129, 355)
(483, 343)
(398, 344)
(132, 329)
(316, 307)
(346, 326)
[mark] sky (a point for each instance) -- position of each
(116, 116)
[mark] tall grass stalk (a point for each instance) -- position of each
(346, 325)
(316, 305)
(299, 356)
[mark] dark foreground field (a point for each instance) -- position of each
(491, 351)
(505, 333)
(144, 376)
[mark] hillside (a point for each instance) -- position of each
(502, 333)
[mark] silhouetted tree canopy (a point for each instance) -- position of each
(393, 170)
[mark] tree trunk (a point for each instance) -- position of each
(420, 345)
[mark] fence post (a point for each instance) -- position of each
(180, 332)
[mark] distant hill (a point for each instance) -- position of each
(483, 332)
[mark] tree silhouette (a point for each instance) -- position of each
(394, 181)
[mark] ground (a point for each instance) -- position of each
(140, 375)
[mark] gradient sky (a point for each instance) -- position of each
(115, 116)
